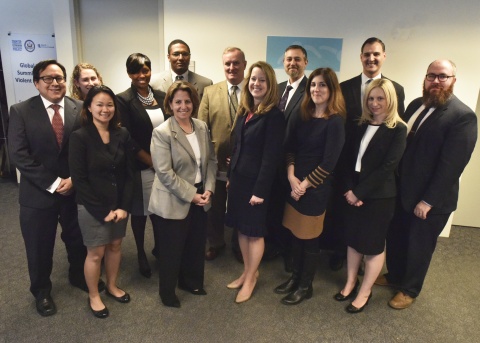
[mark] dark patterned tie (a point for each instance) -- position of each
(179, 78)
(283, 101)
(57, 124)
(233, 102)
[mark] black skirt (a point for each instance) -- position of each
(249, 220)
(366, 226)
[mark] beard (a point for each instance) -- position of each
(436, 99)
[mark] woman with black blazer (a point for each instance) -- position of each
(312, 149)
(141, 110)
(369, 184)
(258, 148)
(101, 168)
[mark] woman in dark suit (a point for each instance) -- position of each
(185, 169)
(141, 110)
(259, 133)
(314, 144)
(369, 184)
(101, 167)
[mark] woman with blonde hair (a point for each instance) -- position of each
(312, 149)
(84, 77)
(256, 153)
(369, 185)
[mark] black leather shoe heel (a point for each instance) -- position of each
(340, 297)
(296, 297)
(352, 309)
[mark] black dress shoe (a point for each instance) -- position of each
(45, 306)
(213, 252)
(297, 296)
(99, 314)
(352, 309)
(198, 291)
(171, 302)
(287, 287)
(340, 297)
(122, 299)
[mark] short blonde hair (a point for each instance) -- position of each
(392, 117)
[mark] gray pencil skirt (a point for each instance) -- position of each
(95, 233)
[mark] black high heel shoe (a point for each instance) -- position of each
(340, 297)
(352, 309)
(102, 314)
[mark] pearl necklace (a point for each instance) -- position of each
(148, 100)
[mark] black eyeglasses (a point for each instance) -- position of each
(49, 79)
(441, 77)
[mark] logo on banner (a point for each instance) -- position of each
(29, 45)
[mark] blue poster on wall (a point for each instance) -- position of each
(322, 52)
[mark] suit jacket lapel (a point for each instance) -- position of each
(357, 92)
(201, 134)
(70, 114)
(296, 97)
(179, 135)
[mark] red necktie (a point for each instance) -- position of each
(57, 124)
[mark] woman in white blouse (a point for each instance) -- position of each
(372, 156)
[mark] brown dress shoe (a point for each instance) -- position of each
(401, 301)
(382, 281)
(213, 252)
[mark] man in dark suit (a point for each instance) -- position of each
(218, 109)
(38, 139)
(442, 132)
(372, 56)
(179, 58)
(295, 60)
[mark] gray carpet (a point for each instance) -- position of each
(446, 311)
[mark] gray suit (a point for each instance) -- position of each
(180, 226)
(175, 168)
(162, 81)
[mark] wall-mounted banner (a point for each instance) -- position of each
(322, 52)
(26, 51)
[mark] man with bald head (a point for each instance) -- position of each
(442, 132)
(218, 109)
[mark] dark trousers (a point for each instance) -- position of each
(181, 249)
(411, 242)
(39, 229)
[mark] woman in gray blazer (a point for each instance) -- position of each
(185, 168)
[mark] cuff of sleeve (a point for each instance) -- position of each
(54, 185)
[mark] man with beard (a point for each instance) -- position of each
(372, 56)
(442, 132)
(179, 58)
(218, 109)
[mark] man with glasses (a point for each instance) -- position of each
(39, 132)
(442, 132)
(179, 58)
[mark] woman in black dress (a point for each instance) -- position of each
(313, 147)
(141, 110)
(257, 151)
(369, 184)
(101, 167)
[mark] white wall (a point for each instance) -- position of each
(415, 33)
